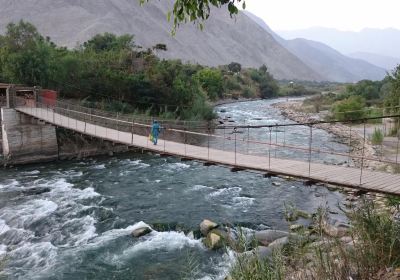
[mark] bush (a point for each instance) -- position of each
(351, 108)
(248, 92)
(377, 137)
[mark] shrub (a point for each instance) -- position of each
(248, 92)
(351, 108)
(377, 137)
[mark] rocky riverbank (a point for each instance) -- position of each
(302, 245)
(293, 111)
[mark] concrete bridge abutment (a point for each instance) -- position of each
(25, 139)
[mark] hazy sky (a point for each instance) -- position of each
(341, 14)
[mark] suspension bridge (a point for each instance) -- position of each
(191, 141)
(227, 145)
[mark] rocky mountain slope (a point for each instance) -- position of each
(330, 63)
(70, 22)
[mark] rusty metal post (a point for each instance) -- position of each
(349, 144)
(248, 139)
(208, 142)
(234, 131)
(398, 140)
(269, 150)
(223, 145)
(276, 138)
(362, 157)
(185, 138)
(84, 120)
(165, 135)
(309, 151)
(133, 123)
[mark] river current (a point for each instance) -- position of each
(73, 220)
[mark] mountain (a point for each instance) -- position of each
(325, 60)
(378, 41)
(387, 62)
(223, 40)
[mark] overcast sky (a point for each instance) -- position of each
(352, 15)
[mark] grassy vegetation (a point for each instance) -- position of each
(373, 246)
(377, 137)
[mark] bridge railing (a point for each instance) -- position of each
(291, 141)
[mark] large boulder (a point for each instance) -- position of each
(213, 241)
(206, 226)
(141, 231)
(265, 237)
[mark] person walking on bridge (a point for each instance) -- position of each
(155, 131)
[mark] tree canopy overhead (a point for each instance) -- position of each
(199, 10)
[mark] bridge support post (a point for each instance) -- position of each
(208, 142)
(185, 139)
(309, 151)
(133, 122)
(234, 131)
(248, 139)
(398, 140)
(362, 157)
(10, 96)
(270, 145)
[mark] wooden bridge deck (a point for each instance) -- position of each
(338, 175)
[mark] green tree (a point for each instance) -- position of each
(109, 42)
(25, 55)
(268, 86)
(212, 82)
(235, 67)
(392, 99)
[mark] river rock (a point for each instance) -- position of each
(213, 241)
(276, 184)
(265, 237)
(335, 231)
(346, 239)
(279, 243)
(206, 226)
(295, 227)
(141, 231)
(35, 191)
(190, 235)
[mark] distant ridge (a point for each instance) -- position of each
(325, 60)
(384, 42)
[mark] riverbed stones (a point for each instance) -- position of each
(141, 231)
(296, 227)
(335, 231)
(265, 237)
(279, 243)
(206, 226)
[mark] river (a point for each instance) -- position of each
(72, 220)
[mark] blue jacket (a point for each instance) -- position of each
(155, 129)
